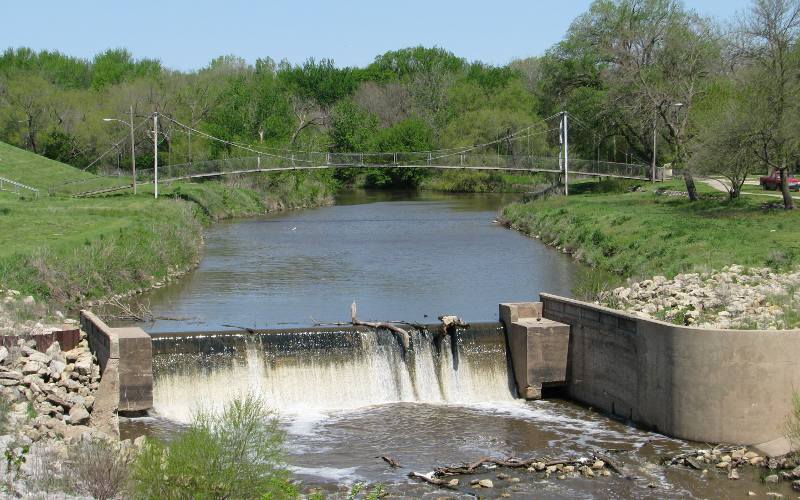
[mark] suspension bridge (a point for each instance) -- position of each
(483, 157)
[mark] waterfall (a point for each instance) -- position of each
(312, 372)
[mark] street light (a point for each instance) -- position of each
(133, 151)
(655, 136)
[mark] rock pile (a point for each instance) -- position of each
(55, 388)
(17, 311)
(730, 461)
(735, 297)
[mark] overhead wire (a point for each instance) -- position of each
(116, 145)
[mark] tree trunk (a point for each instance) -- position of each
(788, 201)
(690, 187)
(32, 135)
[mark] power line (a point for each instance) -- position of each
(115, 146)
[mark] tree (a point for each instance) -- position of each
(29, 96)
(727, 146)
(768, 42)
(390, 102)
(352, 128)
(408, 135)
(680, 74)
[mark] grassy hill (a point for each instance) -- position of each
(34, 170)
(65, 249)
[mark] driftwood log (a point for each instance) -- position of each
(389, 460)
(405, 338)
(431, 479)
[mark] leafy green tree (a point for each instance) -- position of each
(321, 82)
(404, 64)
(408, 135)
(726, 146)
(769, 43)
(352, 128)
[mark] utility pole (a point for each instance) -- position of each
(566, 154)
(655, 135)
(133, 154)
(155, 152)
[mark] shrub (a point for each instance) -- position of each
(236, 454)
(99, 468)
(5, 410)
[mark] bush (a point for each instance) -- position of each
(5, 411)
(237, 454)
(99, 468)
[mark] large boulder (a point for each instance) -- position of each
(31, 367)
(78, 415)
(56, 369)
(83, 365)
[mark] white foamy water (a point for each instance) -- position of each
(315, 382)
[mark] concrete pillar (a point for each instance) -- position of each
(538, 347)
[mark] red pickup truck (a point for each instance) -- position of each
(773, 181)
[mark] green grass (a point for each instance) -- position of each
(66, 251)
(49, 176)
(639, 235)
(34, 170)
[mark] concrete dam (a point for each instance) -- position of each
(325, 369)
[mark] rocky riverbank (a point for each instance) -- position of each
(51, 435)
(731, 461)
(733, 297)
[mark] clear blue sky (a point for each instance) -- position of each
(188, 34)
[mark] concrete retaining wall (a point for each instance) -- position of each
(721, 386)
(130, 351)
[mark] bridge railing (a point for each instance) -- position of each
(17, 187)
(609, 169)
(304, 160)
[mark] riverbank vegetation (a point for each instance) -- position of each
(643, 233)
(237, 453)
(68, 251)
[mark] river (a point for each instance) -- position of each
(402, 256)
(347, 399)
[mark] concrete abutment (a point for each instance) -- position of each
(706, 385)
(125, 356)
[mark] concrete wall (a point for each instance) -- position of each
(131, 351)
(720, 386)
(538, 347)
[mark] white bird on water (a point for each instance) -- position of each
(294, 228)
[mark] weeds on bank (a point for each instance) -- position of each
(237, 454)
(376, 492)
(455, 181)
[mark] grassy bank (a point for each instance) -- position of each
(641, 234)
(67, 251)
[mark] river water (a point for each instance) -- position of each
(398, 255)
(347, 398)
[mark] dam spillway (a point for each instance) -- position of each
(327, 369)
